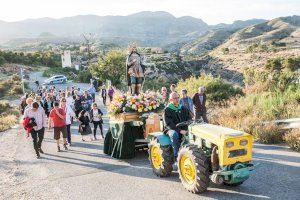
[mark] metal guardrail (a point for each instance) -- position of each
(286, 123)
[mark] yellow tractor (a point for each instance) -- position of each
(208, 153)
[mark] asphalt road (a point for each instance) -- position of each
(38, 76)
(84, 172)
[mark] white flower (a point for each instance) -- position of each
(133, 107)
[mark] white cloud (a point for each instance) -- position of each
(211, 11)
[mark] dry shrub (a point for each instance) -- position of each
(269, 134)
(292, 138)
(17, 89)
(6, 121)
(4, 106)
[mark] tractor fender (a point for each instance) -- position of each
(163, 139)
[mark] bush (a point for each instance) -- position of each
(16, 89)
(269, 134)
(217, 90)
(292, 138)
(225, 50)
(273, 64)
(4, 106)
(84, 76)
(2, 60)
(16, 78)
(6, 121)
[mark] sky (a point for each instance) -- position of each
(210, 11)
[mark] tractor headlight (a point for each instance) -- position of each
(243, 142)
(229, 144)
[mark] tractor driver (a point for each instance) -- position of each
(175, 113)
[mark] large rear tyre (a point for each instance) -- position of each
(161, 158)
(193, 169)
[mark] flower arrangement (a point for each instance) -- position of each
(149, 102)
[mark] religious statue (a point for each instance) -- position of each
(135, 70)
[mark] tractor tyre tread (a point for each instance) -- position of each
(202, 169)
(168, 159)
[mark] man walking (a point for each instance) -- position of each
(37, 132)
(199, 100)
(58, 117)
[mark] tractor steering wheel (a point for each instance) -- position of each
(185, 123)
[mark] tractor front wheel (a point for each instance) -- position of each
(193, 169)
(161, 158)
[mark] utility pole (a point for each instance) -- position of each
(88, 48)
(22, 79)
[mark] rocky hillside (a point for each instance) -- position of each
(227, 52)
(254, 45)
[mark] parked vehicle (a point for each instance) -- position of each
(56, 80)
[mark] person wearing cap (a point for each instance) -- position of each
(199, 101)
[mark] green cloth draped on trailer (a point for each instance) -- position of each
(119, 140)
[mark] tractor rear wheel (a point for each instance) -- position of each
(161, 158)
(193, 169)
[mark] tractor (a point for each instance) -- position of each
(207, 153)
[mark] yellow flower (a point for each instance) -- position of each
(141, 107)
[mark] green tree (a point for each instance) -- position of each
(110, 66)
(2, 60)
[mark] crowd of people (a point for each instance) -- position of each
(58, 109)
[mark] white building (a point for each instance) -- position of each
(66, 59)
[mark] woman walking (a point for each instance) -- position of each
(78, 105)
(104, 94)
(69, 114)
(96, 118)
(111, 93)
(84, 127)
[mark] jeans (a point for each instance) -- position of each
(37, 138)
(69, 133)
(176, 140)
(99, 123)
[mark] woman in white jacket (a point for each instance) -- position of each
(69, 114)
